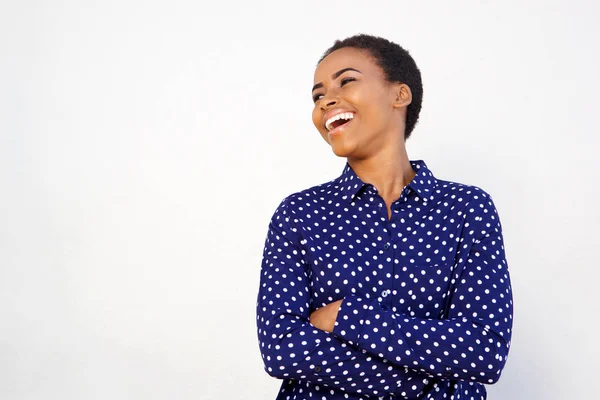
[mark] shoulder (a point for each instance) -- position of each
(296, 204)
(299, 201)
(473, 203)
(474, 199)
(462, 192)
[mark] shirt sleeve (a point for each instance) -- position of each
(472, 344)
(292, 348)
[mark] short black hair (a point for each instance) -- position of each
(397, 64)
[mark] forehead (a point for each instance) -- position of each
(347, 57)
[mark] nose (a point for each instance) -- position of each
(328, 103)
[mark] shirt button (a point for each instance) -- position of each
(448, 373)
(385, 293)
(317, 369)
(386, 246)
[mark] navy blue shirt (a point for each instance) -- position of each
(427, 301)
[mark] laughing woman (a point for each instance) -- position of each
(386, 281)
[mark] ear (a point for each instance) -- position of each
(403, 95)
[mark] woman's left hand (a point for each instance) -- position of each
(324, 318)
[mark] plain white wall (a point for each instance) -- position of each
(144, 145)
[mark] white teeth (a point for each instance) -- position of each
(346, 116)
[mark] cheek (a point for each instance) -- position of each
(371, 103)
(376, 113)
(317, 119)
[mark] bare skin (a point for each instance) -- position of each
(373, 141)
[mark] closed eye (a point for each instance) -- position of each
(343, 82)
(346, 80)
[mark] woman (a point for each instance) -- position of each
(386, 281)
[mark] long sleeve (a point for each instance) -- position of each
(472, 343)
(292, 348)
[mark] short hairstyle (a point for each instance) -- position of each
(397, 64)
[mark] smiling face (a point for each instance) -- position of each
(357, 111)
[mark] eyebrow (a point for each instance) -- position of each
(335, 76)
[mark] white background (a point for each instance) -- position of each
(144, 145)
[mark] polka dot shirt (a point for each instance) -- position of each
(427, 302)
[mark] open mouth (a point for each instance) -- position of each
(338, 120)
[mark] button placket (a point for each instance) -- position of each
(388, 248)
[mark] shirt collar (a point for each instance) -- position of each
(424, 183)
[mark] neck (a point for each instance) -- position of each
(389, 171)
